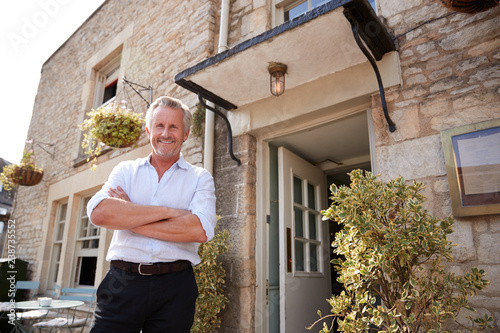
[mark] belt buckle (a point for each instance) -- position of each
(139, 269)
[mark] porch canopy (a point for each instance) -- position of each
(313, 45)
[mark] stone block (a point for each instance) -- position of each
(412, 159)
(462, 236)
(489, 248)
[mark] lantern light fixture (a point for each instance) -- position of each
(277, 73)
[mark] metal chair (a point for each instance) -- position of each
(28, 285)
(32, 315)
(70, 321)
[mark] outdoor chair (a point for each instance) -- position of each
(69, 320)
(31, 315)
(32, 286)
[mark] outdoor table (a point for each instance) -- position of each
(33, 305)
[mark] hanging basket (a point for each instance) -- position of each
(26, 176)
(116, 140)
(469, 6)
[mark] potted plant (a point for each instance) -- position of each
(391, 261)
(27, 173)
(113, 125)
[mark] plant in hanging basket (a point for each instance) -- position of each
(113, 125)
(27, 173)
(470, 6)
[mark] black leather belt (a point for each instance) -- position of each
(151, 268)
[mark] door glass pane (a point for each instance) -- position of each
(299, 256)
(312, 226)
(297, 190)
(314, 257)
(299, 222)
(311, 196)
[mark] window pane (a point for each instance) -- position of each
(299, 256)
(60, 231)
(317, 3)
(87, 270)
(298, 10)
(314, 257)
(299, 222)
(297, 190)
(311, 196)
(312, 226)
(62, 212)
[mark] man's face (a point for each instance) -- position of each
(167, 132)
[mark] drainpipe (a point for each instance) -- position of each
(208, 160)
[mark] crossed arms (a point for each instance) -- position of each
(160, 222)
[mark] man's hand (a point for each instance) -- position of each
(118, 193)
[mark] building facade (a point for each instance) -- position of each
(273, 164)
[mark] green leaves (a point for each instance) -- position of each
(113, 125)
(392, 252)
(210, 279)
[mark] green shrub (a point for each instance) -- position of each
(391, 261)
(210, 278)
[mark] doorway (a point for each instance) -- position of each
(302, 166)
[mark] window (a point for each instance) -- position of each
(57, 243)
(87, 246)
(106, 82)
(307, 224)
(288, 10)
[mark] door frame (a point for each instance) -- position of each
(276, 131)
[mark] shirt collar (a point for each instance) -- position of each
(181, 162)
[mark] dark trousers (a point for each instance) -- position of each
(128, 302)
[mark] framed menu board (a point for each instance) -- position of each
(472, 157)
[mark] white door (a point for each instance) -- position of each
(304, 245)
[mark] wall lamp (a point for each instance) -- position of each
(277, 73)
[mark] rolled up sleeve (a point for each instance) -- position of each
(115, 179)
(203, 204)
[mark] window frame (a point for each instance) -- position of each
(57, 243)
(279, 8)
(82, 251)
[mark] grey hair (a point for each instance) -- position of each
(173, 103)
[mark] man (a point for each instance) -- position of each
(160, 208)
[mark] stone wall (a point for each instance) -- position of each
(236, 202)
(451, 77)
(168, 36)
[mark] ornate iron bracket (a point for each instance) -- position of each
(138, 91)
(229, 130)
(348, 14)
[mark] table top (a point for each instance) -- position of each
(56, 304)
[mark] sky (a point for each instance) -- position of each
(31, 31)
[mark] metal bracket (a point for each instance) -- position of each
(39, 144)
(350, 17)
(138, 91)
(229, 130)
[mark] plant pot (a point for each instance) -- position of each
(27, 177)
(469, 6)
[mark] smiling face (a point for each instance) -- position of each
(167, 133)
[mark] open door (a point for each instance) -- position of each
(304, 243)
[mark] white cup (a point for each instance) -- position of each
(45, 301)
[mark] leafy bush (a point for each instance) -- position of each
(210, 278)
(391, 261)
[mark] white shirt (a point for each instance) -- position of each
(183, 186)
